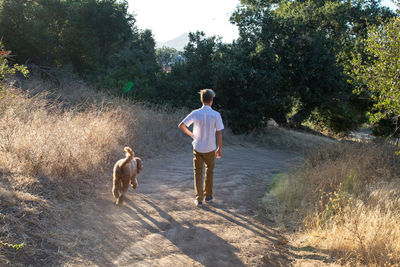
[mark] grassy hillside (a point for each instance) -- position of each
(346, 201)
(56, 144)
(59, 140)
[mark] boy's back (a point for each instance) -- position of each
(206, 122)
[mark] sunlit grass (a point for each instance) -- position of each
(347, 196)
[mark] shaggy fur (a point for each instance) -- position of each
(124, 173)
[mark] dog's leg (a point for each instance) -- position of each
(116, 186)
(134, 182)
(121, 197)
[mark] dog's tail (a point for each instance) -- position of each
(129, 156)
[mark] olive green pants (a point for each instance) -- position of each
(198, 164)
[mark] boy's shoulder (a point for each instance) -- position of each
(215, 112)
(206, 111)
(195, 111)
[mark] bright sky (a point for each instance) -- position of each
(389, 3)
(170, 18)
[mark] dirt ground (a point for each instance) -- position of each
(159, 225)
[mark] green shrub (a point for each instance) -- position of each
(6, 70)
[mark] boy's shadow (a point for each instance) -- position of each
(198, 243)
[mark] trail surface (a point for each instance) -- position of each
(159, 225)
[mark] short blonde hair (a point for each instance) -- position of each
(206, 95)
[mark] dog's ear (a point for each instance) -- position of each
(139, 164)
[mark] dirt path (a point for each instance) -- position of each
(159, 225)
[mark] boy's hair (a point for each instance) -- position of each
(206, 95)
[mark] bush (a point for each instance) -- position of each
(7, 71)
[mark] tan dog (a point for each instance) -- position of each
(124, 173)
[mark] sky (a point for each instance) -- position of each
(389, 3)
(169, 19)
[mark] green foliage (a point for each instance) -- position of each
(167, 56)
(134, 63)
(14, 246)
(378, 74)
(352, 184)
(278, 184)
(180, 87)
(97, 38)
(31, 28)
(307, 45)
(331, 208)
(291, 56)
(6, 70)
(94, 32)
(83, 33)
(249, 88)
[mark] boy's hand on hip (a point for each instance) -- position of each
(218, 153)
(184, 129)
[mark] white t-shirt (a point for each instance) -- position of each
(206, 122)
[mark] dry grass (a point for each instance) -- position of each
(56, 143)
(365, 231)
(348, 196)
(39, 137)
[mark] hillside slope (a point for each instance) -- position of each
(57, 149)
(178, 43)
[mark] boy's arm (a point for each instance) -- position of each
(184, 129)
(218, 153)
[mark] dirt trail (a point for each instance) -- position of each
(159, 225)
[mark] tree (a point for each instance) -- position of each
(310, 43)
(378, 74)
(96, 38)
(94, 32)
(248, 88)
(31, 28)
(200, 54)
(195, 72)
(135, 63)
(166, 57)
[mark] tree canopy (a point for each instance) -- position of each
(292, 61)
(378, 74)
(310, 44)
(97, 39)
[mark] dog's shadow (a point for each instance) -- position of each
(198, 243)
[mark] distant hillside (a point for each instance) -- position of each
(178, 43)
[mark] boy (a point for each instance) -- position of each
(207, 124)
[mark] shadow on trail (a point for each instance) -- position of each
(234, 218)
(190, 239)
(277, 239)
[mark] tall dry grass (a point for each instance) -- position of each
(40, 136)
(58, 140)
(348, 197)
